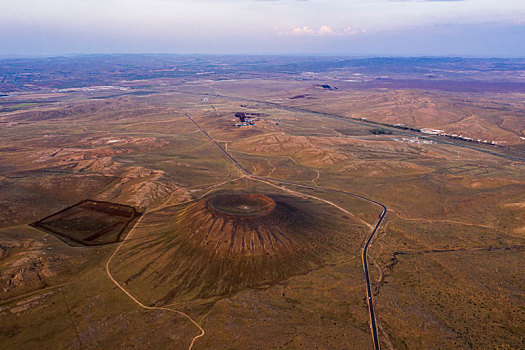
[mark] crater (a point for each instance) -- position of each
(241, 204)
(237, 225)
(229, 241)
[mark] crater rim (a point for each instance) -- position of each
(241, 204)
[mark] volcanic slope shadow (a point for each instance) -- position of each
(230, 240)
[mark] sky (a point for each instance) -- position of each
(471, 28)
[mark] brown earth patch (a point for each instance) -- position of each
(309, 151)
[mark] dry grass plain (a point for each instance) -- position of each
(447, 266)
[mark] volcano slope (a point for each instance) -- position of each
(231, 240)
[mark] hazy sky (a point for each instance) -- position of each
(350, 27)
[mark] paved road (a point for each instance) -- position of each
(373, 325)
(384, 208)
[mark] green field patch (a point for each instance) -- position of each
(10, 108)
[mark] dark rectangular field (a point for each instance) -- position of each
(89, 223)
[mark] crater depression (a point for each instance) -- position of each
(241, 204)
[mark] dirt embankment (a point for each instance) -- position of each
(27, 265)
(139, 187)
(385, 168)
(309, 151)
(98, 154)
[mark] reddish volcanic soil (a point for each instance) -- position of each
(226, 242)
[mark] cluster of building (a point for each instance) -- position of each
(244, 120)
(455, 136)
(246, 123)
(413, 140)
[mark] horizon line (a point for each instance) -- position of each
(325, 55)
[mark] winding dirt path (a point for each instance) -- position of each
(146, 307)
(130, 234)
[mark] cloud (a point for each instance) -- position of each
(423, 0)
(324, 30)
(302, 31)
(353, 31)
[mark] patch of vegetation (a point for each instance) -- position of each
(378, 131)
